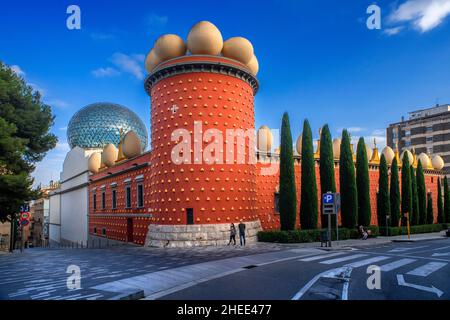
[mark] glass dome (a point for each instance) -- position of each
(98, 124)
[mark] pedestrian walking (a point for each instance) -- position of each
(242, 232)
(232, 234)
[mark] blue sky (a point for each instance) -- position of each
(318, 60)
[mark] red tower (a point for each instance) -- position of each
(202, 170)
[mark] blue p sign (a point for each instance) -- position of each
(328, 198)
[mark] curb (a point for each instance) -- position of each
(419, 239)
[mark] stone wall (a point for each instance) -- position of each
(198, 234)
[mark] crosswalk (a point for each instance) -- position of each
(390, 262)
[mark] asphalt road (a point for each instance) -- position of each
(418, 270)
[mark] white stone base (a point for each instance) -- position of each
(177, 236)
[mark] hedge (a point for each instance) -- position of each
(425, 228)
(302, 236)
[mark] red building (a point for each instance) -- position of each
(202, 172)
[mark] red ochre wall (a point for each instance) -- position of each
(267, 185)
(218, 193)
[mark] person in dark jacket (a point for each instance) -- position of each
(242, 232)
(232, 234)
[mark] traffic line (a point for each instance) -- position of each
(322, 256)
(350, 257)
(427, 269)
(406, 249)
(365, 262)
(396, 264)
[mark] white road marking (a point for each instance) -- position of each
(401, 282)
(365, 262)
(396, 264)
(406, 249)
(344, 271)
(350, 257)
(440, 254)
(427, 269)
(322, 256)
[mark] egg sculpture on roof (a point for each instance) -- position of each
(409, 155)
(169, 46)
(109, 155)
(264, 139)
(298, 145)
(238, 48)
(389, 154)
(253, 65)
(369, 152)
(424, 160)
(437, 162)
(336, 148)
(131, 146)
(205, 38)
(151, 61)
(94, 162)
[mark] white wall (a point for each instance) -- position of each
(73, 193)
(55, 216)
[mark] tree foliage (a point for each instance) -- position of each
(421, 194)
(446, 201)
(383, 199)
(363, 184)
(25, 122)
(326, 163)
(430, 214)
(395, 194)
(288, 197)
(406, 205)
(415, 200)
(347, 182)
(308, 203)
(440, 204)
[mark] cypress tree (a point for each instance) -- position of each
(430, 215)
(288, 197)
(363, 184)
(440, 204)
(446, 201)
(308, 203)
(415, 199)
(421, 194)
(349, 198)
(326, 163)
(383, 201)
(406, 189)
(394, 194)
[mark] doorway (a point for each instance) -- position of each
(189, 216)
(130, 230)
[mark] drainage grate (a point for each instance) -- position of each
(250, 266)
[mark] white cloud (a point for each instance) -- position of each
(102, 36)
(393, 31)
(62, 146)
(18, 71)
(61, 104)
(156, 22)
(131, 64)
(62, 128)
(105, 72)
(424, 15)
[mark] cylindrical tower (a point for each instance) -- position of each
(202, 168)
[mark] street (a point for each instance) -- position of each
(407, 270)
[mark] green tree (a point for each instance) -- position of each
(430, 215)
(415, 199)
(326, 163)
(363, 184)
(288, 197)
(440, 204)
(349, 198)
(395, 194)
(383, 200)
(25, 122)
(406, 205)
(308, 203)
(446, 201)
(421, 194)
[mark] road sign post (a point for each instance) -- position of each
(330, 205)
